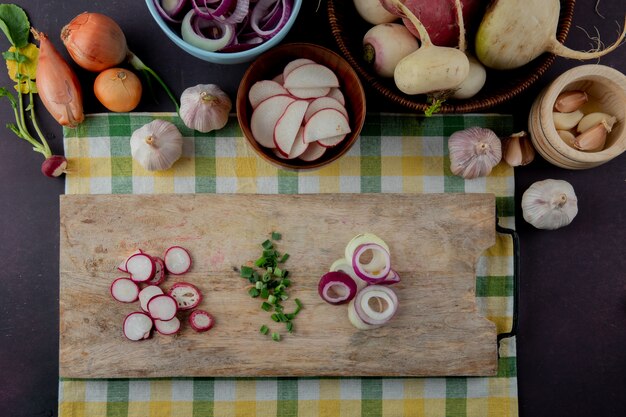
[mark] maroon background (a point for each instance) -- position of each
(572, 341)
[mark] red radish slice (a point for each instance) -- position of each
(201, 321)
(159, 272)
(187, 296)
(264, 119)
(162, 307)
(288, 126)
(337, 95)
(324, 103)
(333, 141)
(309, 92)
(279, 79)
(177, 260)
(137, 326)
(147, 294)
(262, 90)
(295, 64)
(336, 287)
(124, 290)
(299, 147)
(324, 124)
(141, 267)
(167, 327)
(311, 76)
(122, 265)
(313, 151)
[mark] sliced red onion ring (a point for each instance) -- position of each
(206, 12)
(227, 32)
(165, 14)
(173, 7)
(261, 10)
(345, 266)
(385, 300)
(391, 278)
(356, 320)
(336, 287)
(379, 266)
(362, 239)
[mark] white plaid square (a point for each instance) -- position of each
(225, 185)
(99, 147)
(184, 185)
(391, 146)
(393, 389)
(355, 150)
(476, 185)
(225, 147)
(224, 390)
(433, 184)
(182, 390)
(308, 184)
(95, 391)
(267, 185)
(100, 185)
(349, 184)
(138, 391)
(477, 388)
(435, 388)
(308, 389)
(432, 146)
(266, 390)
(350, 389)
(391, 184)
(143, 185)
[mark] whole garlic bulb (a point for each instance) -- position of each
(205, 107)
(549, 204)
(156, 145)
(474, 152)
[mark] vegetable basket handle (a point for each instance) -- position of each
(516, 275)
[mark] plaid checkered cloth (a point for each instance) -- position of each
(395, 153)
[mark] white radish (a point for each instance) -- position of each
(431, 68)
(299, 147)
(295, 64)
(324, 103)
(313, 152)
(331, 141)
(309, 92)
(311, 76)
(177, 260)
(384, 45)
(187, 295)
(167, 327)
(279, 79)
(337, 95)
(122, 265)
(513, 33)
(141, 267)
(146, 294)
(373, 12)
(324, 124)
(201, 321)
(162, 307)
(137, 326)
(159, 271)
(264, 119)
(124, 290)
(262, 90)
(288, 126)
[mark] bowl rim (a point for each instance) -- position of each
(221, 56)
(286, 164)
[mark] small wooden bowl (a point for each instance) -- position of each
(270, 64)
(606, 88)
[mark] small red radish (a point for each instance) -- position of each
(299, 146)
(137, 326)
(262, 90)
(313, 152)
(264, 119)
(187, 295)
(385, 45)
(311, 76)
(324, 103)
(141, 267)
(201, 321)
(159, 273)
(54, 166)
(162, 307)
(177, 260)
(124, 290)
(122, 265)
(295, 64)
(309, 92)
(336, 93)
(324, 124)
(167, 327)
(288, 125)
(332, 141)
(146, 294)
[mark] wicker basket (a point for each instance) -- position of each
(348, 29)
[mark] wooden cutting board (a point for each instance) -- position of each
(435, 241)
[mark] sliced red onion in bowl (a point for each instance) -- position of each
(261, 9)
(223, 33)
(375, 304)
(377, 268)
(203, 10)
(336, 287)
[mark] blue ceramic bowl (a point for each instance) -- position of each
(219, 57)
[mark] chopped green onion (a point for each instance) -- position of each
(298, 302)
(252, 280)
(269, 254)
(253, 292)
(266, 277)
(285, 282)
(280, 288)
(246, 271)
(276, 236)
(264, 329)
(278, 272)
(260, 262)
(275, 317)
(265, 293)
(267, 244)
(284, 297)
(284, 258)
(290, 327)
(266, 306)
(258, 285)
(271, 299)
(290, 316)
(276, 337)
(282, 317)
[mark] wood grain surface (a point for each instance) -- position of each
(435, 241)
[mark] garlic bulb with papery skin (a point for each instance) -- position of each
(157, 145)
(474, 152)
(549, 204)
(204, 107)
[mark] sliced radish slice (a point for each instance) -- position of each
(324, 103)
(146, 294)
(311, 76)
(167, 327)
(371, 262)
(295, 64)
(279, 79)
(159, 271)
(162, 307)
(137, 326)
(299, 147)
(336, 287)
(345, 266)
(262, 90)
(337, 95)
(141, 267)
(332, 141)
(122, 265)
(201, 321)
(187, 296)
(313, 151)
(309, 92)
(264, 119)
(177, 260)
(287, 127)
(324, 124)
(124, 290)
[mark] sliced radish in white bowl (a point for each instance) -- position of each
(187, 296)
(137, 326)
(167, 327)
(162, 307)
(147, 294)
(124, 290)
(177, 260)
(201, 321)
(141, 267)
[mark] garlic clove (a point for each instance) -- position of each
(593, 139)
(567, 137)
(205, 107)
(566, 121)
(569, 101)
(474, 152)
(592, 119)
(549, 204)
(517, 149)
(156, 145)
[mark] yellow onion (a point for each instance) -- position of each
(95, 41)
(118, 89)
